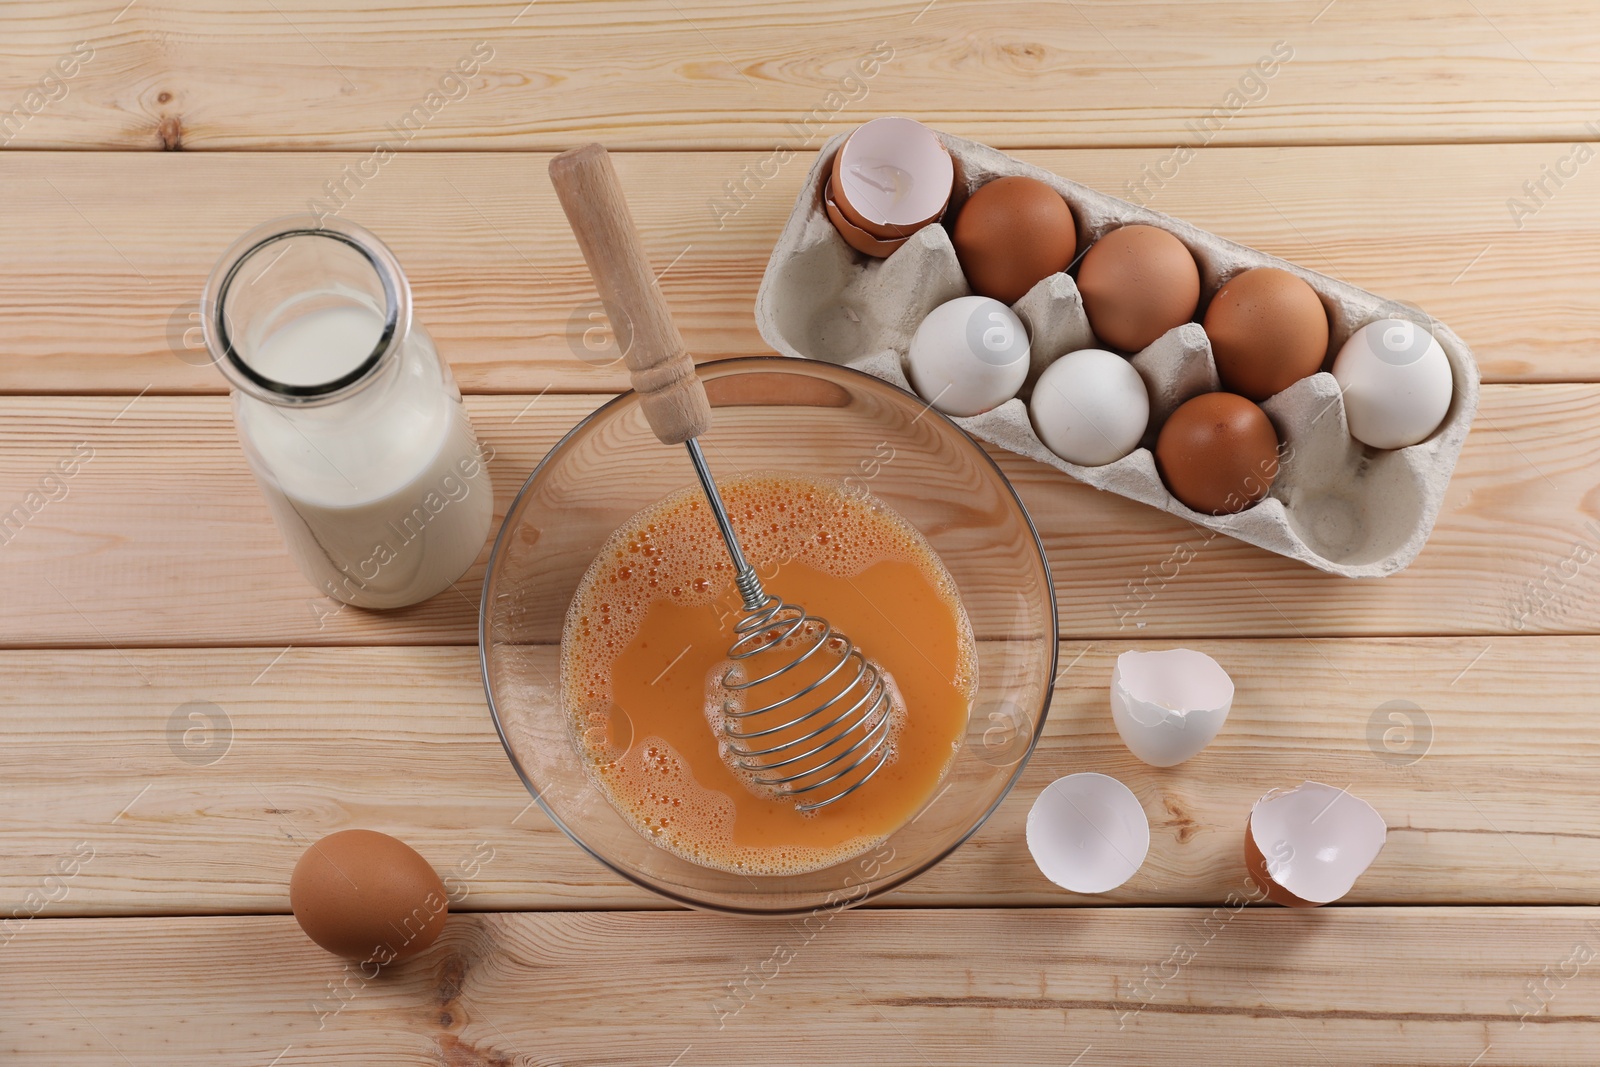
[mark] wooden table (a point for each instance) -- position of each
(182, 715)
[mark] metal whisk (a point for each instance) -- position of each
(814, 753)
(766, 740)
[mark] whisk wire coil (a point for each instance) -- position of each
(864, 724)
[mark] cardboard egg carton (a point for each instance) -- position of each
(1336, 504)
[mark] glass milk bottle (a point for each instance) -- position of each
(352, 424)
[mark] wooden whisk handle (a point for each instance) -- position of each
(659, 365)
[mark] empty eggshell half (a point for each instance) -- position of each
(892, 177)
(1169, 705)
(1306, 846)
(1088, 833)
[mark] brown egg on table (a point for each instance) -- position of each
(1218, 453)
(1268, 330)
(1138, 282)
(367, 896)
(1012, 233)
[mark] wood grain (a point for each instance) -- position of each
(104, 254)
(1098, 986)
(159, 544)
(298, 74)
(196, 778)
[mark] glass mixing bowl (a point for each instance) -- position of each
(772, 414)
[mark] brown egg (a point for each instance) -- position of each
(1268, 330)
(1138, 282)
(1011, 233)
(1218, 453)
(367, 896)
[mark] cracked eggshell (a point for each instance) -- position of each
(1306, 846)
(891, 177)
(1088, 833)
(855, 236)
(1169, 705)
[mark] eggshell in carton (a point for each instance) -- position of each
(1336, 505)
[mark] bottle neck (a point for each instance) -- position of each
(307, 316)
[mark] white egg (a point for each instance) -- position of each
(1088, 833)
(1090, 407)
(1396, 382)
(968, 356)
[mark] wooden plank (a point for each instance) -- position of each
(218, 74)
(103, 255)
(1100, 986)
(194, 779)
(163, 538)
